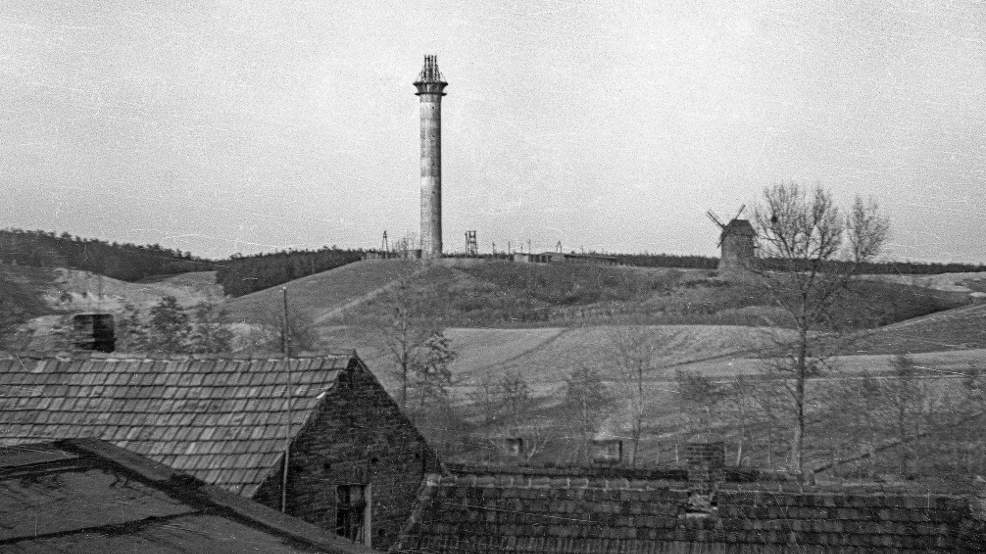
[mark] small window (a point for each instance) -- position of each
(353, 512)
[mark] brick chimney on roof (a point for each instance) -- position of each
(705, 460)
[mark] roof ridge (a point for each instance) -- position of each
(66, 355)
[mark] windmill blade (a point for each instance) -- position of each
(740, 212)
(715, 219)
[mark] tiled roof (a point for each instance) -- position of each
(568, 515)
(222, 420)
(739, 227)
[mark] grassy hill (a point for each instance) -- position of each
(43, 298)
(20, 298)
(74, 290)
(504, 294)
(962, 282)
(320, 295)
(957, 329)
(543, 321)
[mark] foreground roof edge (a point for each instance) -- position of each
(140, 356)
(195, 492)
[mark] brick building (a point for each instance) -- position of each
(707, 508)
(354, 463)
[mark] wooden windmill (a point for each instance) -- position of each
(737, 241)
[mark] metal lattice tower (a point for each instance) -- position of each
(472, 246)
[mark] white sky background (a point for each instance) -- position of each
(233, 126)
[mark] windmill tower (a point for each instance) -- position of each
(738, 242)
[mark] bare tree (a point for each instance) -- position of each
(506, 405)
(485, 399)
(430, 376)
(516, 397)
(699, 396)
(905, 394)
(403, 333)
(585, 396)
(539, 432)
(768, 401)
(502, 400)
(741, 394)
(634, 351)
(809, 254)
(269, 335)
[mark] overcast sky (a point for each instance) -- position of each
(222, 127)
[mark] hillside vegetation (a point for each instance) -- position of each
(532, 295)
(124, 261)
(317, 296)
(240, 275)
(19, 295)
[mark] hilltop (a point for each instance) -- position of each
(506, 294)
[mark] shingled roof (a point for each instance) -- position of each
(739, 227)
(570, 514)
(222, 420)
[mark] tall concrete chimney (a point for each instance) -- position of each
(431, 86)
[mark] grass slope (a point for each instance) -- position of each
(45, 290)
(546, 356)
(957, 329)
(317, 295)
(75, 290)
(20, 297)
(504, 294)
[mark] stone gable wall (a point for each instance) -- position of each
(357, 436)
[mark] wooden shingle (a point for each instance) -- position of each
(207, 416)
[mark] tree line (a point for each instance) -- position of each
(766, 262)
(241, 275)
(124, 261)
(667, 260)
(877, 268)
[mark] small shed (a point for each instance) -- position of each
(94, 331)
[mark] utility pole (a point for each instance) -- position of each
(286, 345)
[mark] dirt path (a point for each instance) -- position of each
(339, 310)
